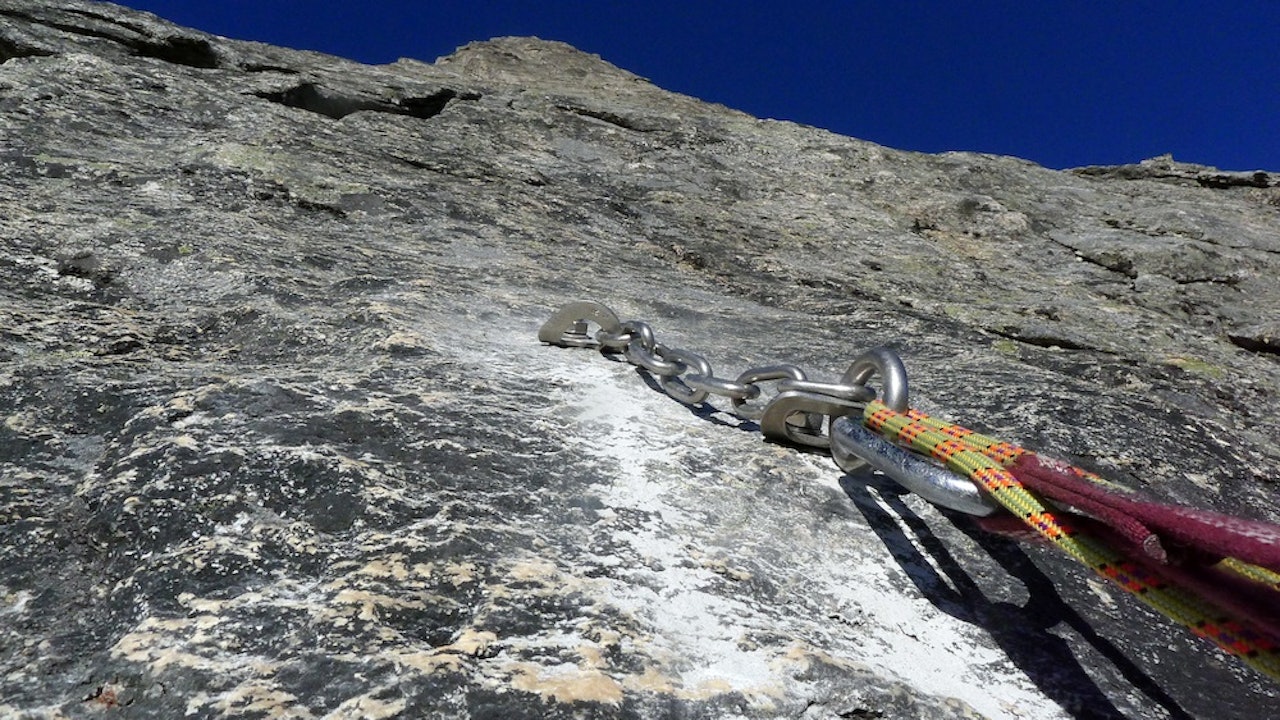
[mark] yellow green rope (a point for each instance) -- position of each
(982, 459)
(1252, 572)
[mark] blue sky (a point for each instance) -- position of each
(1061, 83)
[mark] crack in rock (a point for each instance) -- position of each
(321, 100)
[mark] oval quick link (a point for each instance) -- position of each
(651, 360)
(722, 387)
(673, 385)
(762, 374)
(853, 447)
(883, 362)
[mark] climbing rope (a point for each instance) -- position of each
(983, 460)
(1252, 572)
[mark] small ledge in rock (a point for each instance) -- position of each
(318, 99)
(1039, 337)
(433, 104)
(314, 205)
(605, 116)
(1262, 342)
(263, 68)
(1110, 261)
(1226, 280)
(11, 49)
(86, 265)
(1165, 169)
(178, 49)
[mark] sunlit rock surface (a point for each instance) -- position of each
(279, 440)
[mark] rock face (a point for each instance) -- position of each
(279, 440)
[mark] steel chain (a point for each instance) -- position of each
(802, 412)
(795, 414)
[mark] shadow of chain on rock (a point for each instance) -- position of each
(1022, 632)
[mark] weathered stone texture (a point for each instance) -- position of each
(278, 439)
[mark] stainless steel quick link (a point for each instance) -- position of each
(651, 359)
(677, 388)
(883, 362)
(719, 386)
(803, 412)
(758, 375)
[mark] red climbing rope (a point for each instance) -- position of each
(1219, 580)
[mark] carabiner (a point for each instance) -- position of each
(852, 446)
